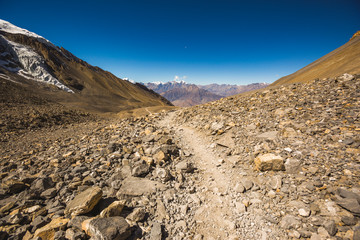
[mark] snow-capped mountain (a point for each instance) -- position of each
(30, 59)
(23, 60)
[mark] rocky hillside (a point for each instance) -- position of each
(281, 163)
(27, 56)
(343, 59)
(295, 156)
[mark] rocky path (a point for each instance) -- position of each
(220, 212)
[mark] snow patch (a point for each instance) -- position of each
(29, 64)
(157, 83)
(129, 80)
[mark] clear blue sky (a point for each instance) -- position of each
(223, 41)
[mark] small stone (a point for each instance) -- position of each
(275, 182)
(134, 186)
(113, 210)
(290, 221)
(7, 206)
(292, 165)
(160, 158)
(13, 186)
(161, 210)
(240, 207)
(49, 193)
(140, 170)
(348, 221)
(156, 232)
(247, 183)
(39, 222)
(163, 174)
(304, 212)
(272, 194)
(239, 188)
(294, 234)
(136, 216)
(330, 227)
(268, 162)
(323, 233)
(84, 202)
(183, 166)
(350, 204)
(15, 218)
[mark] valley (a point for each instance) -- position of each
(87, 155)
(195, 173)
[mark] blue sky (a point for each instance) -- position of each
(201, 41)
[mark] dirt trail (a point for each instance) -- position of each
(215, 218)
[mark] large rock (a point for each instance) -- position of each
(268, 135)
(268, 162)
(84, 202)
(156, 233)
(114, 228)
(134, 186)
(14, 186)
(140, 170)
(289, 222)
(113, 210)
(350, 204)
(48, 231)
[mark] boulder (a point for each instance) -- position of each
(114, 228)
(48, 231)
(268, 162)
(134, 186)
(113, 210)
(84, 202)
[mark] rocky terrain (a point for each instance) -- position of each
(280, 163)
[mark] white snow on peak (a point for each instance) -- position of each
(11, 28)
(27, 63)
(129, 80)
(178, 81)
(157, 83)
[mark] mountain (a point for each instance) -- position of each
(341, 60)
(229, 90)
(32, 60)
(189, 95)
(183, 94)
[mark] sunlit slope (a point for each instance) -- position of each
(345, 59)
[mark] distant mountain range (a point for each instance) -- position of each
(184, 94)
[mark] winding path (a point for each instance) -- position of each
(215, 218)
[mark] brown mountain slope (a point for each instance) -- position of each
(343, 59)
(95, 90)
